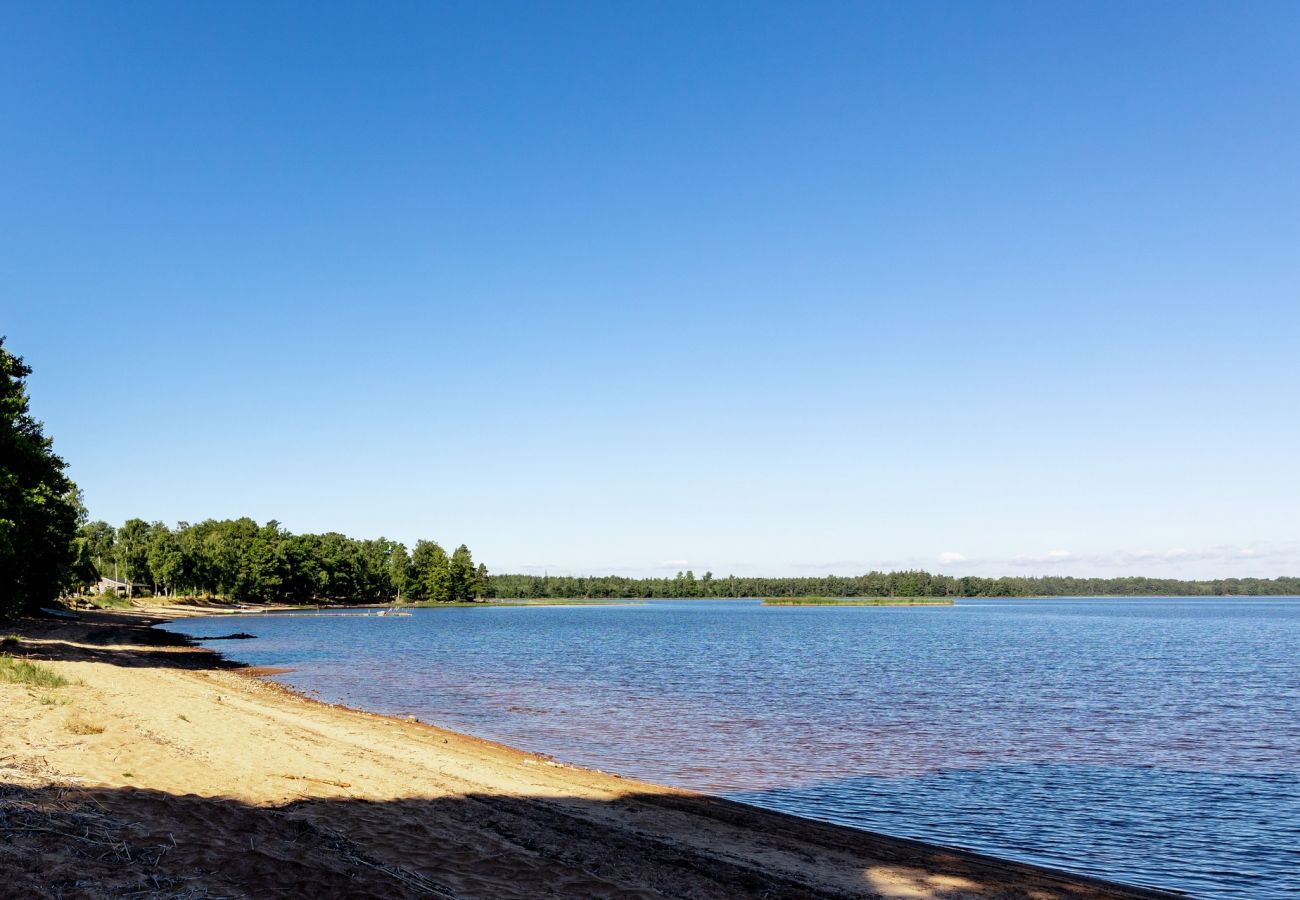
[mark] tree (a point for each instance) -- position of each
(132, 553)
(263, 564)
(38, 504)
(98, 538)
(461, 574)
(431, 571)
(83, 571)
(375, 559)
(399, 569)
(165, 559)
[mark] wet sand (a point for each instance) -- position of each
(165, 770)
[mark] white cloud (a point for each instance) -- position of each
(1051, 556)
(1219, 560)
(836, 565)
(948, 557)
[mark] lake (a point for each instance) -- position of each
(1149, 741)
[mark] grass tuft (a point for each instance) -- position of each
(20, 671)
(9, 641)
(78, 725)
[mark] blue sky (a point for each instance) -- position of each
(755, 288)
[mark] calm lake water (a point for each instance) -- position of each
(1154, 742)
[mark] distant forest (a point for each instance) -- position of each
(879, 584)
(241, 560)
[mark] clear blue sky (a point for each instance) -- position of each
(632, 287)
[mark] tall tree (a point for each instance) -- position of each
(165, 560)
(38, 512)
(132, 553)
(98, 538)
(399, 569)
(431, 571)
(461, 574)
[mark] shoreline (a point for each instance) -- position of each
(212, 780)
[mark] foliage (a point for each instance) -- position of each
(242, 560)
(112, 600)
(39, 506)
(399, 570)
(877, 584)
(20, 671)
(132, 551)
(430, 572)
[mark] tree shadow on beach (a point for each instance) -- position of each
(57, 841)
(119, 639)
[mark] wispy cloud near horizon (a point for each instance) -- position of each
(1259, 559)
(1140, 561)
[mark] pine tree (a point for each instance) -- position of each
(461, 571)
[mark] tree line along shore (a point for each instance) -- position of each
(49, 548)
(239, 559)
(911, 583)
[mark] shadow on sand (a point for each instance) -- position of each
(61, 842)
(103, 639)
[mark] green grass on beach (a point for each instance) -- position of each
(856, 601)
(20, 671)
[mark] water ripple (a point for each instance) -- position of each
(1155, 742)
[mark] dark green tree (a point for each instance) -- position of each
(431, 571)
(98, 539)
(165, 559)
(38, 504)
(461, 574)
(399, 570)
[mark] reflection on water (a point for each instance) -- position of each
(1149, 741)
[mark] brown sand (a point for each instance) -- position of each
(164, 771)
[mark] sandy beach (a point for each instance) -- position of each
(166, 770)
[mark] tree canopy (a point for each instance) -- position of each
(242, 560)
(911, 583)
(39, 506)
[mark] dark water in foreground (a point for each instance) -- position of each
(1155, 742)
